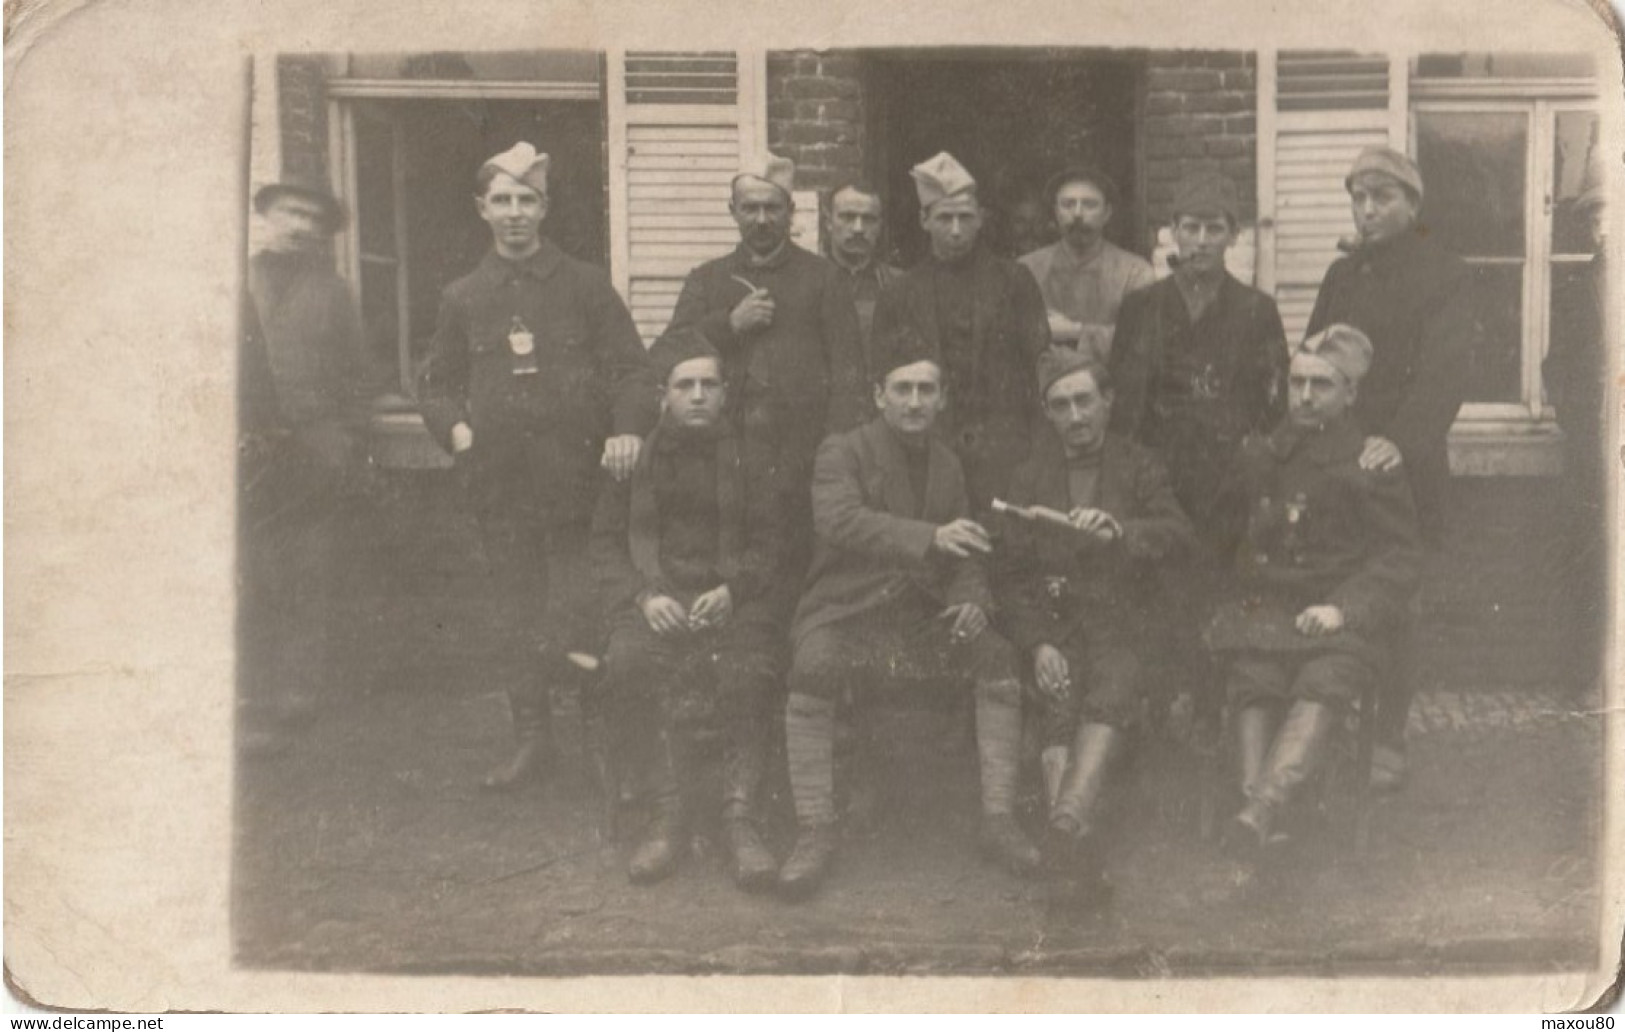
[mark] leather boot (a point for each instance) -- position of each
(809, 862)
(1255, 728)
(1003, 842)
(754, 867)
(532, 759)
(1093, 752)
(666, 839)
(1299, 747)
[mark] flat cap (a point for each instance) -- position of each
(1342, 347)
(940, 177)
(309, 189)
(1390, 163)
(770, 169)
(522, 162)
(903, 346)
(1207, 193)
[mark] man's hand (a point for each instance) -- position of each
(1063, 328)
(665, 616)
(753, 313)
(968, 621)
(462, 438)
(1097, 523)
(621, 455)
(711, 609)
(1380, 454)
(1318, 620)
(1050, 671)
(962, 538)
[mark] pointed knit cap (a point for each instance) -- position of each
(939, 177)
(522, 162)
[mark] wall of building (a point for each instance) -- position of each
(1199, 113)
(815, 114)
(302, 97)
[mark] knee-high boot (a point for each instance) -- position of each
(531, 708)
(744, 757)
(666, 840)
(1072, 848)
(998, 746)
(1299, 747)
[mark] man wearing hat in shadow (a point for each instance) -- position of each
(984, 316)
(1199, 360)
(1085, 277)
(897, 591)
(1414, 301)
(1330, 559)
(1094, 520)
(300, 422)
(792, 349)
(685, 552)
(536, 377)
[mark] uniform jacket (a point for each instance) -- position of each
(1052, 582)
(1193, 392)
(594, 377)
(1321, 531)
(1414, 300)
(991, 394)
(874, 537)
(299, 384)
(802, 376)
(698, 511)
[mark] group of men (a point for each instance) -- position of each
(829, 476)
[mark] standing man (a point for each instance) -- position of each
(984, 316)
(854, 226)
(685, 552)
(300, 419)
(1083, 276)
(792, 350)
(1078, 584)
(1331, 558)
(896, 589)
(1413, 301)
(536, 376)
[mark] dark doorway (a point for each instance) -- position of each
(1013, 118)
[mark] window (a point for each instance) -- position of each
(1502, 176)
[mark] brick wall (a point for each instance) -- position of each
(1200, 112)
(815, 114)
(302, 98)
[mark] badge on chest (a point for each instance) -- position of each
(522, 346)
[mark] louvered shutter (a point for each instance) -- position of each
(677, 137)
(1324, 107)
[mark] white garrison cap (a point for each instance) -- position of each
(1343, 347)
(771, 169)
(523, 163)
(939, 177)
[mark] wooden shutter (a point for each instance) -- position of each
(680, 125)
(1317, 109)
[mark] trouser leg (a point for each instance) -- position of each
(745, 682)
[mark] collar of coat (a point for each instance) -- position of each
(1337, 441)
(538, 265)
(643, 530)
(748, 260)
(891, 456)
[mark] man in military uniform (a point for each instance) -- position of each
(984, 316)
(535, 377)
(1093, 517)
(792, 349)
(300, 416)
(685, 552)
(1414, 301)
(1199, 360)
(1085, 277)
(853, 223)
(896, 590)
(1331, 558)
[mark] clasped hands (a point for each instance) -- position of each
(667, 616)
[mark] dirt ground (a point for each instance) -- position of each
(364, 843)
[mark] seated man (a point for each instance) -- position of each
(685, 551)
(1330, 559)
(1077, 581)
(896, 588)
